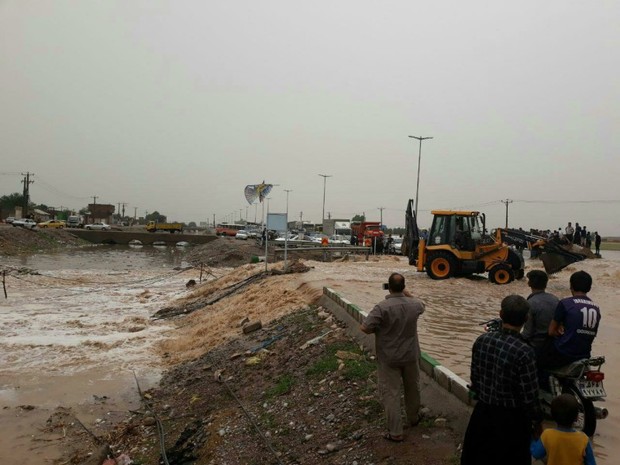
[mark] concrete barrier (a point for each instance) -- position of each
(353, 316)
(124, 237)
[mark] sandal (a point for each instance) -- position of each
(389, 437)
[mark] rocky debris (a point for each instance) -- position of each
(243, 404)
(251, 327)
(224, 251)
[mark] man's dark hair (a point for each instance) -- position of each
(581, 281)
(538, 279)
(514, 310)
(564, 410)
(396, 282)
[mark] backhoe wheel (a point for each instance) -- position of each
(440, 265)
(501, 274)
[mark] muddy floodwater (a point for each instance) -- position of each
(75, 333)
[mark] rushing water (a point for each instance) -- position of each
(103, 257)
(76, 325)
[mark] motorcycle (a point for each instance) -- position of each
(583, 379)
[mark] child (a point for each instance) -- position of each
(563, 445)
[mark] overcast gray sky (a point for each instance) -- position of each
(176, 106)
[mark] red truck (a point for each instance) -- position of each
(365, 231)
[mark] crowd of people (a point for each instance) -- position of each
(537, 333)
(578, 235)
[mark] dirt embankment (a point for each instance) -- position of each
(297, 391)
(16, 240)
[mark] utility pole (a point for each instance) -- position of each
(27, 183)
(417, 187)
(95, 199)
(507, 201)
(324, 176)
(286, 232)
(381, 220)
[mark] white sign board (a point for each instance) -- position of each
(276, 221)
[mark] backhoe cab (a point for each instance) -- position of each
(458, 245)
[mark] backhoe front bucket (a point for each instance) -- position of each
(556, 260)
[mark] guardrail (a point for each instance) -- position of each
(326, 253)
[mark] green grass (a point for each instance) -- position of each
(358, 369)
(353, 369)
(284, 384)
(610, 245)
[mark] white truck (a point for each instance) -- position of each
(75, 221)
(333, 227)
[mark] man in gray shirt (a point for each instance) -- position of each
(394, 321)
(542, 309)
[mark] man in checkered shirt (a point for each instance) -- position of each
(505, 384)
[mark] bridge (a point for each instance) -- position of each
(146, 238)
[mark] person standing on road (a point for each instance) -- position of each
(597, 243)
(394, 321)
(569, 231)
(573, 327)
(542, 309)
(504, 382)
(577, 236)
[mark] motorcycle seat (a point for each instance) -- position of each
(577, 368)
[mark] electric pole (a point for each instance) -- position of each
(27, 183)
(507, 201)
(417, 186)
(95, 199)
(381, 220)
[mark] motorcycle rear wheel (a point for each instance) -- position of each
(586, 419)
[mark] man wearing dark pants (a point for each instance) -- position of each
(505, 384)
(394, 321)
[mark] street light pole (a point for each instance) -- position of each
(286, 232)
(417, 188)
(324, 176)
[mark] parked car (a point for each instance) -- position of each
(242, 234)
(58, 224)
(253, 233)
(98, 226)
(9, 220)
(398, 244)
(338, 239)
(25, 223)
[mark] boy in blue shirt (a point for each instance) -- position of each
(563, 445)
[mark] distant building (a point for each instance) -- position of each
(100, 213)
